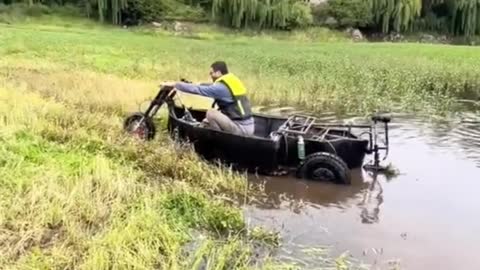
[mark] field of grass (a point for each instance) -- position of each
(76, 192)
(338, 76)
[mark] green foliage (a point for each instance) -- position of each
(327, 74)
(106, 9)
(301, 15)
(37, 10)
(350, 13)
(22, 9)
(458, 17)
(443, 16)
(320, 13)
(466, 16)
(262, 13)
(206, 4)
(431, 22)
(154, 10)
(397, 15)
(196, 211)
(73, 194)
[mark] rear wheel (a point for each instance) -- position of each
(140, 126)
(324, 166)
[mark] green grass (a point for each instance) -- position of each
(339, 76)
(75, 192)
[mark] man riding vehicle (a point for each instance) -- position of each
(229, 93)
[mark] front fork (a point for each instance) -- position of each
(375, 148)
(154, 106)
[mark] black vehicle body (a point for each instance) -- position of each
(261, 150)
(330, 150)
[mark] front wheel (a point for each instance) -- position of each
(324, 166)
(140, 126)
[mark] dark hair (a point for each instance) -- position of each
(220, 66)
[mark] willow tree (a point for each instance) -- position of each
(396, 14)
(463, 15)
(111, 9)
(428, 4)
(263, 13)
(466, 16)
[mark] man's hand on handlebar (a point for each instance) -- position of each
(168, 84)
(172, 92)
(171, 88)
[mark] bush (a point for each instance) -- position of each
(153, 10)
(350, 13)
(273, 14)
(301, 15)
(430, 22)
(320, 13)
(22, 9)
(37, 10)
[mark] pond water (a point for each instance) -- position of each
(427, 217)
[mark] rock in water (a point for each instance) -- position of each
(182, 28)
(156, 24)
(331, 22)
(357, 35)
(178, 27)
(427, 38)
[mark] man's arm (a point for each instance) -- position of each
(211, 90)
(205, 83)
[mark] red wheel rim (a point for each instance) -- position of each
(140, 131)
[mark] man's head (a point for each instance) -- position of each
(218, 69)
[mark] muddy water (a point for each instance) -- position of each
(427, 217)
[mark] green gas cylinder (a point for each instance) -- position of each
(301, 148)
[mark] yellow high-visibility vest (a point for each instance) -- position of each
(241, 108)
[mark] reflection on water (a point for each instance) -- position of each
(374, 198)
(282, 189)
(296, 193)
(427, 217)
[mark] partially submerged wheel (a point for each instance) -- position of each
(324, 166)
(140, 126)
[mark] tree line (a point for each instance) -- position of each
(456, 17)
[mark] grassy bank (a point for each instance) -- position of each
(76, 193)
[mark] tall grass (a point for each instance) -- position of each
(345, 77)
(77, 193)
